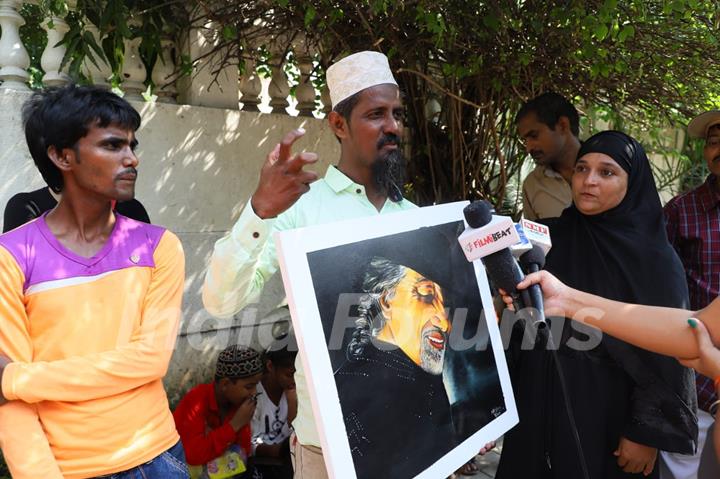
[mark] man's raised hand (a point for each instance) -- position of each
(282, 179)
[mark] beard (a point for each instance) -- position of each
(388, 170)
(431, 359)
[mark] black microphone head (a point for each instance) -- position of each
(535, 257)
(478, 213)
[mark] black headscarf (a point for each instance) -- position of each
(624, 254)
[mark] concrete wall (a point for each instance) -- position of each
(198, 167)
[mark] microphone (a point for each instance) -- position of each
(487, 233)
(537, 234)
(532, 262)
(523, 246)
(488, 238)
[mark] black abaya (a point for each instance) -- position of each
(615, 389)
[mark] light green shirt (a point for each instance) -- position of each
(245, 259)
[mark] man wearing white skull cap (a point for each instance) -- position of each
(367, 120)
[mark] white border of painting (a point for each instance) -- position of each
(292, 248)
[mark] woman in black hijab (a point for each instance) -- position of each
(627, 403)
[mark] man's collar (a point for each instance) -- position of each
(549, 172)
(337, 180)
(709, 193)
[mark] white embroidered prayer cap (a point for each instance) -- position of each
(357, 72)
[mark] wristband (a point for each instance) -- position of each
(717, 383)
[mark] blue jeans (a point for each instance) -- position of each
(168, 465)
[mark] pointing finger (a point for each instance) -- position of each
(287, 142)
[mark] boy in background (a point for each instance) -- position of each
(213, 419)
(275, 411)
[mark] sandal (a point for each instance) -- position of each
(469, 469)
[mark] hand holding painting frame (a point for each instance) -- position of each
(355, 288)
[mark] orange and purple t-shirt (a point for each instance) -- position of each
(91, 339)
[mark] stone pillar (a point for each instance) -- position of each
(200, 88)
(162, 73)
(100, 74)
(325, 99)
(305, 91)
(250, 87)
(14, 59)
(53, 54)
(133, 71)
(279, 89)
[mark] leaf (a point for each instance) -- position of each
(229, 32)
(122, 27)
(310, 15)
(69, 52)
(628, 31)
(611, 4)
(148, 95)
(524, 59)
(491, 21)
(601, 31)
(90, 56)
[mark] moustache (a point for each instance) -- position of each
(127, 172)
(389, 139)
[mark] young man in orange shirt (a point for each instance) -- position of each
(90, 305)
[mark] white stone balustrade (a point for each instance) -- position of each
(53, 54)
(279, 89)
(133, 71)
(14, 59)
(197, 89)
(250, 87)
(305, 92)
(203, 87)
(325, 99)
(163, 72)
(99, 74)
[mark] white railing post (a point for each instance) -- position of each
(279, 89)
(133, 71)
(325, 99)
(163, 70)
(14, 59)
(100, 74)
(53, 54)
(305, 91)
(202, 88)
(250, 87)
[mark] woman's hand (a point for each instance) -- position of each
(708, 363)
(556, 295)
(635, 458)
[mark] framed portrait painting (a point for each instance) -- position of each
(399, 343)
